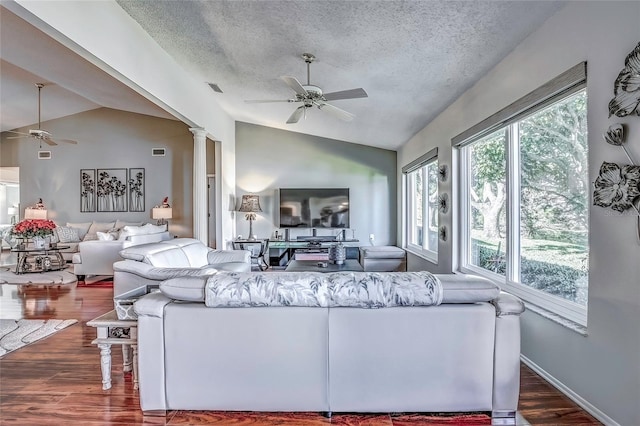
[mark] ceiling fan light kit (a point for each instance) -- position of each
(310, 95)
(40, 134)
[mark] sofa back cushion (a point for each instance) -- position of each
(176, 253)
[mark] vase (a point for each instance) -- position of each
(38, 242)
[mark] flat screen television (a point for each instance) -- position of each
(314, 207)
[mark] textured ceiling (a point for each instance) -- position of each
(413, 58)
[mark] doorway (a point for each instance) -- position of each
(211, 192)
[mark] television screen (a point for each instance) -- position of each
(314, 208)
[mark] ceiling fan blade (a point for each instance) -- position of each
(295, 117)
(294, 84)
(49, 142)
(336, 112)
(267, 101)
(17, 133)
(17, 137)
(346, 94)
(66, 141)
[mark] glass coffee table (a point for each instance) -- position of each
(31, 259)
(351, 265)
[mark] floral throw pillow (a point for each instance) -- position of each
(67, 234)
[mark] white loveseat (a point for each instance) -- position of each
(215, 344)
(146, 266)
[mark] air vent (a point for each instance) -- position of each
(215, 87)
(158, 152)
(44, 155)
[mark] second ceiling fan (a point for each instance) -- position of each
(40, 134)
(310, 96)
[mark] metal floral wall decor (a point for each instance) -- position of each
(112, 190)
(87, 190)
(136, 190)
(616, 186)
(626, 89)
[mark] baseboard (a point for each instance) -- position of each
(583, 403)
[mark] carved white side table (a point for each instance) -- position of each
(113, 331)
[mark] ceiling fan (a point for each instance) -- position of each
(311, 96)
(40, 134)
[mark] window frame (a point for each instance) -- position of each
(420, 164)
(562, 87)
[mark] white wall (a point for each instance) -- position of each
(603, 368)
(269, 159)
(106, 139)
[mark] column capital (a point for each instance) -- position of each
(198, 131)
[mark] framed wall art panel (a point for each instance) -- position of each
(136, 190)
(87, 190)
(111, 190)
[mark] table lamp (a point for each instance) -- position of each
(37, 211)
(250, 205)
(162, 212)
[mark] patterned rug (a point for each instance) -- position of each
(7, 276)
(16, 334)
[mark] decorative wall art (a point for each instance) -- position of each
(87, 190)
(626, 89)
(443, 233)
(443, 173)
(618, 186)
(136, 190)
(443, 203)
(112, 190)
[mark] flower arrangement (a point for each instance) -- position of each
(31, 228)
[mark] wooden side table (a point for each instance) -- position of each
(113, 331)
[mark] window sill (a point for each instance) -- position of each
(423, 255)
(565, 322)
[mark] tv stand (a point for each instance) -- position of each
(282, 252)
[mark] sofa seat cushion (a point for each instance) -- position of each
(382, 252)
(353, 289)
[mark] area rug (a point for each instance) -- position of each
(459, 419)
(16, 334)
(7, 276)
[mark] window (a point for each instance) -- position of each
(525, 202)
(421, 209)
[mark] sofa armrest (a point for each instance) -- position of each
(228, 256)
(507, 304)
(506, 367)
(151, 305)
(96, 257)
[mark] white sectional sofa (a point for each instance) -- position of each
(336, 342)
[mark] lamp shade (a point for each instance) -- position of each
(162, 213)
(12, 210)
(30, 213)
(250, 203)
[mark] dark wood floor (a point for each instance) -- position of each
(57, 381)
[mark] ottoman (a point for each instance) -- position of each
(383, 259)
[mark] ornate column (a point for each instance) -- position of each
(200, 206)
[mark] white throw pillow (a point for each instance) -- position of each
(98, 227)
(105, 236)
